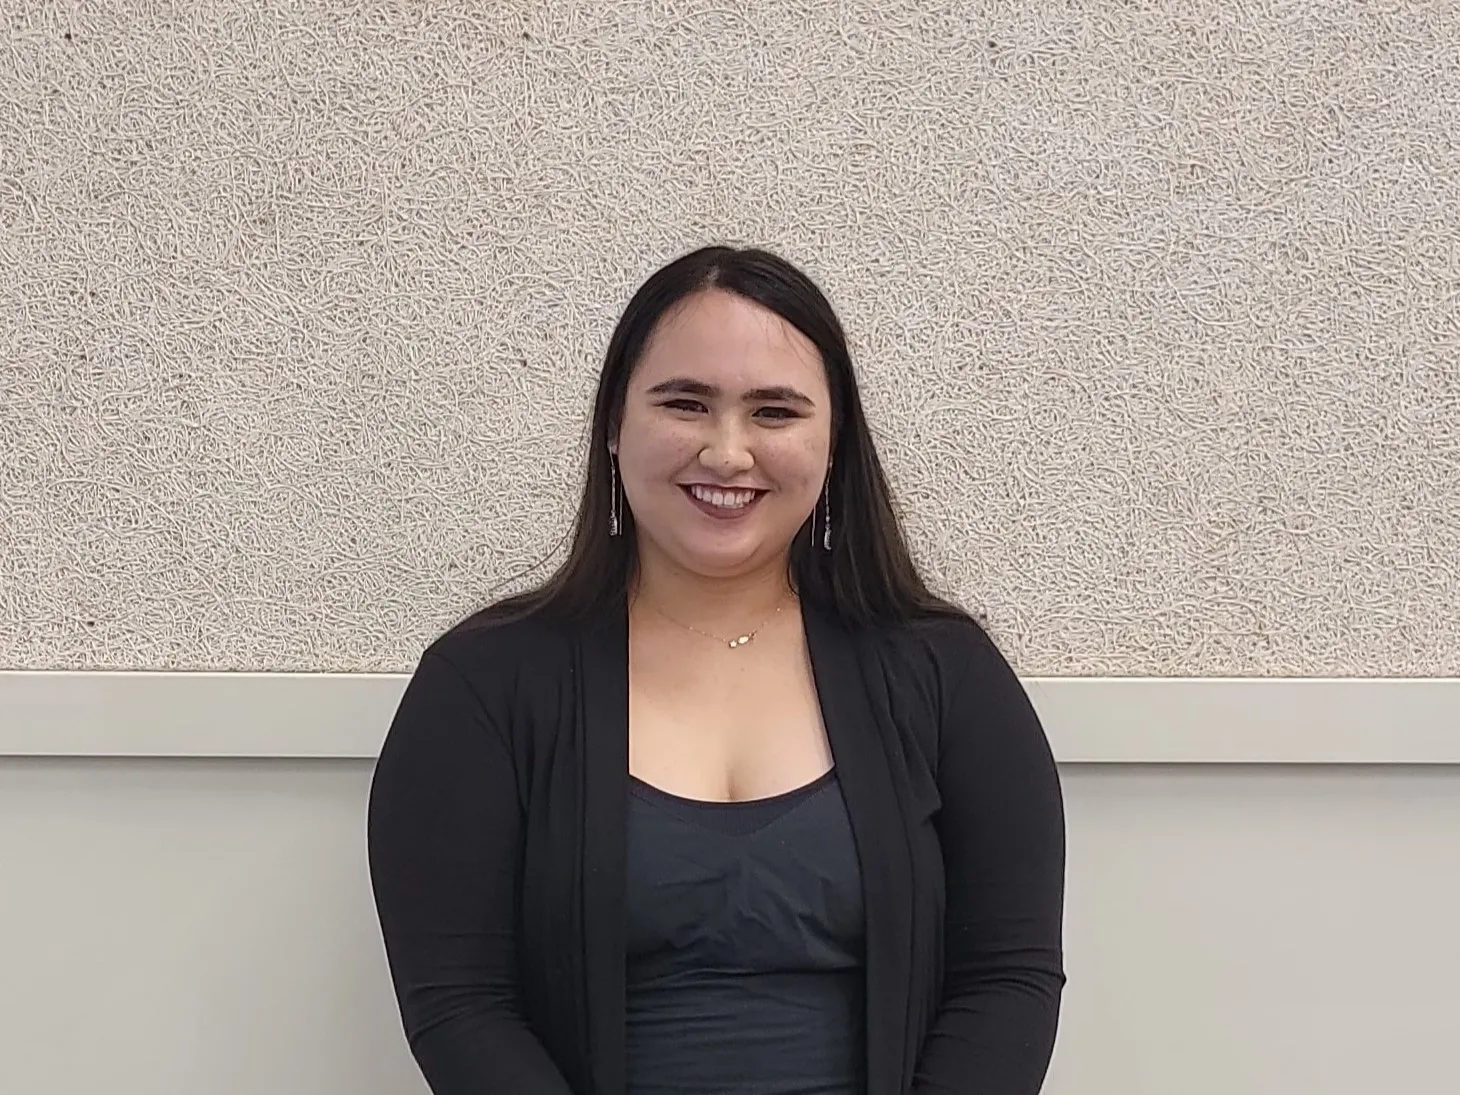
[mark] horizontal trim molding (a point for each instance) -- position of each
(1106, 720)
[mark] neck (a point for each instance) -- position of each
(729, 602)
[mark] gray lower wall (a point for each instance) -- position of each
(175, 927)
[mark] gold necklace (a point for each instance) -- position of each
(735, 643)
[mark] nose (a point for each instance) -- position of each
(726, 454)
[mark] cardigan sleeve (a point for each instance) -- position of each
(444, 833)
(1002, 830)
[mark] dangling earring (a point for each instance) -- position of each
(615, 520)
(826, 523)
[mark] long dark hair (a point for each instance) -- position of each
(868, 576)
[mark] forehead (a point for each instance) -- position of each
(724, 339)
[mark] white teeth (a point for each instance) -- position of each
(725, 499)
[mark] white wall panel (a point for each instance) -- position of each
(1089, 721)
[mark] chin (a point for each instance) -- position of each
(718, 566)
(719, 561)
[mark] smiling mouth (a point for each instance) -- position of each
(722, 503)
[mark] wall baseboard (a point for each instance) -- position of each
(1108, 720)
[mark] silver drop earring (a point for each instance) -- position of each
(826, 523)
(615, 520)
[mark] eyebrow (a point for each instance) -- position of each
(683, 385)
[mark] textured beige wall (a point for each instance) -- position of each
(1157, 307)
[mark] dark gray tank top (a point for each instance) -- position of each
(745, 942)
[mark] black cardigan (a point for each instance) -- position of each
(497, 840)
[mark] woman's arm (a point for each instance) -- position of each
(1003, 835)
(444, 839)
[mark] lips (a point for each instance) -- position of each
(723, 505)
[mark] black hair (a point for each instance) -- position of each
(868, 576)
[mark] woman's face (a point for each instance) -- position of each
(725, 436)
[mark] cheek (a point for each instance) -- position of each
(647, 453)
(798, 463)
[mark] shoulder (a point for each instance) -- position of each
(497, 658)
(948, 636)
(945, 648)
(911, 671)
(481, 634)
(949, 670)
(969, 663)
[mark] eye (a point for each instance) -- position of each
(778, 414)
(691, 405)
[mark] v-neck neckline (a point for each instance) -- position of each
(862, 760)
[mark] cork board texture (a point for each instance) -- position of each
(1156, 305)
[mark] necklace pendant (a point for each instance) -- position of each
(741, 641)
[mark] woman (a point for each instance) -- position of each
(732, 803)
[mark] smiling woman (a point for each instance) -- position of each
(705, 324)
(743, 441)
(731, 803)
